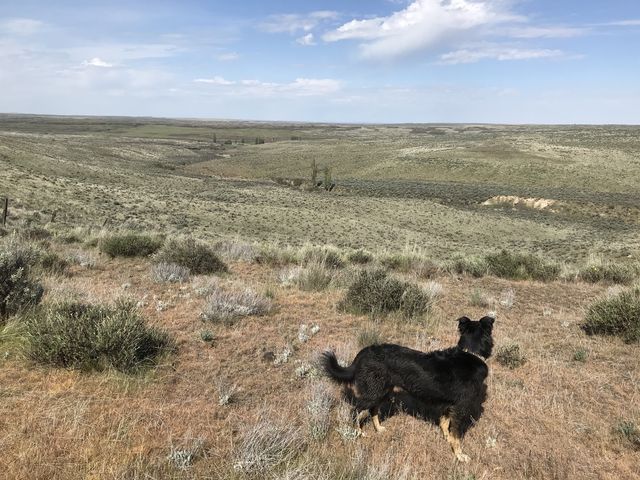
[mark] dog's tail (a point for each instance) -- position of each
(334, 370)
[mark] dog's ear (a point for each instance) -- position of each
(463, 323)
(487, 322)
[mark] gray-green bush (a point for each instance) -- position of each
(376, 292)
(94, 337)
(18, 290)
(617, 315)
(187, 252)
(129, 245)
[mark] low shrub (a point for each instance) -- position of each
(234, 250)
(520, 266)
(169, 273)
(475, 266)
(266, 445)
(18, 290)
(129, 245)
(510, 356)
(226, 306)
(319, 411)
(360, 257)
(188, 253)
(94, 337)
(608, 272)
(275, 255)
(617, 315)
(314, 277)
(629, 433)
(375, 292)
(52, 263)
(328, 256)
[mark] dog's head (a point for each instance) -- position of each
(475, 336)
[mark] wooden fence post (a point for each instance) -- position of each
(5, 211)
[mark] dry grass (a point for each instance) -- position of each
(553, 417)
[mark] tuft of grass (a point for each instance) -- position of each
(369, 335)
(226, 306)
(618, 314)
(479, 298)
(511, 356)
(226, 391)
(266, 445)
(315, 276)
(475, 266)
(319, 411)
(129, 245)
(94, 337)
(275, 255)
(328, 256)
(360, 257)
(18, 290)
(52, 263)
(600, 271)
(629, 433)
(521, 266)
(163, 272)
(207, 336)
(235, 250)
(188, 253)
(580, 355)
(375, 292)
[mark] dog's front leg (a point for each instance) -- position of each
(362, 414)
(452, 439)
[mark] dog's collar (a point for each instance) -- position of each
(475, 354)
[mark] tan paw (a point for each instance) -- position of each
(462, 457)
(380, 429)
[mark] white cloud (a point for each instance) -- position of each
(294, 22)
(496, 53)
(422, 25)
(301, 87)
(545, 31)
(21, 26)
(228, 56)
(217, 80)
(624, 23)
(97, 62)
(306, 40)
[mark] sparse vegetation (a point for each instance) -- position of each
(129, 245)
(369, 335)
(319, 411)
(511, 356)
(18, 290)
(162, 272)
(360, 256)
(226, 306)
(189, 253)
(94, 337)
(617, 315)
(266, 445)
(313, 277)
(599, 271)
(580, 355)
(52, 263)
(629, 433)
(327, 256)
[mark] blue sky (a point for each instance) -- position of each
(498, 61)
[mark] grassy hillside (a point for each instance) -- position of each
(397, 186)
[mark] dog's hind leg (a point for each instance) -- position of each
(362, 414)
(376, 420)
(453, 439)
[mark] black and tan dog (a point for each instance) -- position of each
(448, 384)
